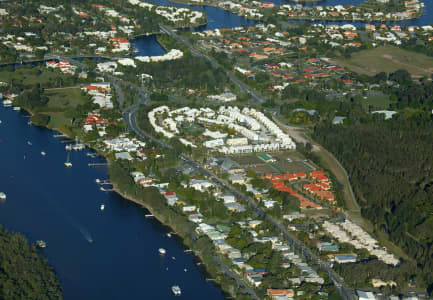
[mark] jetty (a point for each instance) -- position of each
(106, 190)
(97, 164)
(104, 182)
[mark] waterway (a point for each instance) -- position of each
(110, 254)
(219, 18)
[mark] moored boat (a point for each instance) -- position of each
(161, 251)
(176, 290)
(41, 244)
(2, 196)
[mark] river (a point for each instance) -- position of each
(110, 254)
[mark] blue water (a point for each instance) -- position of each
(110, 254)
(218, 18)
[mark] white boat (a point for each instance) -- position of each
(102, 207)
(169, 234)
(29, 143)
(68, 147)
(176, 290)
(0, 121)
(7, 103)
(161, 251)
(2, 196)
(68, 163)
(97, 180)
(43, 153)
(41, 244)
(17, 108)
(78, 146)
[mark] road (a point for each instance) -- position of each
(130, 116)
(244, 88)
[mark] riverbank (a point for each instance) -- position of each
(151, 200)
(201, 247)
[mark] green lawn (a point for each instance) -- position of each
(65, 98)
(388, 59)
(378, 102)
(31, 75)
(61, 101)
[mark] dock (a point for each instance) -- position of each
(106, 190)
(97, 164)
(104, 182)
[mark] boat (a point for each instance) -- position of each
(29, 143)
(68, 163)
(17, 108)
(185, 270)
(169, 234)
(68, 147)
(41, 244)
(102, 207)
(78, 146)
(161, 251)
(97, 180)
(176, 290)
(173, 258)
(7, 103)
(43, 153)
(2, 196)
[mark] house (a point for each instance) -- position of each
(200, 185)
(338, 120)
(190, 208)
(343, 259)
(237, 179)
(275, 293)
(325, 246)
(365, 295)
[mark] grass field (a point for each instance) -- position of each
(63, 99)
(379, 101)
(30, 75)
(388, 59)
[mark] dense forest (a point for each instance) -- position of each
(24, 273)
(390, 165)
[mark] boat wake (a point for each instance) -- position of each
(81, 229)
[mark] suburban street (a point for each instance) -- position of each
(130, 116)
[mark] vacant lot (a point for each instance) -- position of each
(29, 75)
(388, 59)
(61, 101)
(65, 97)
